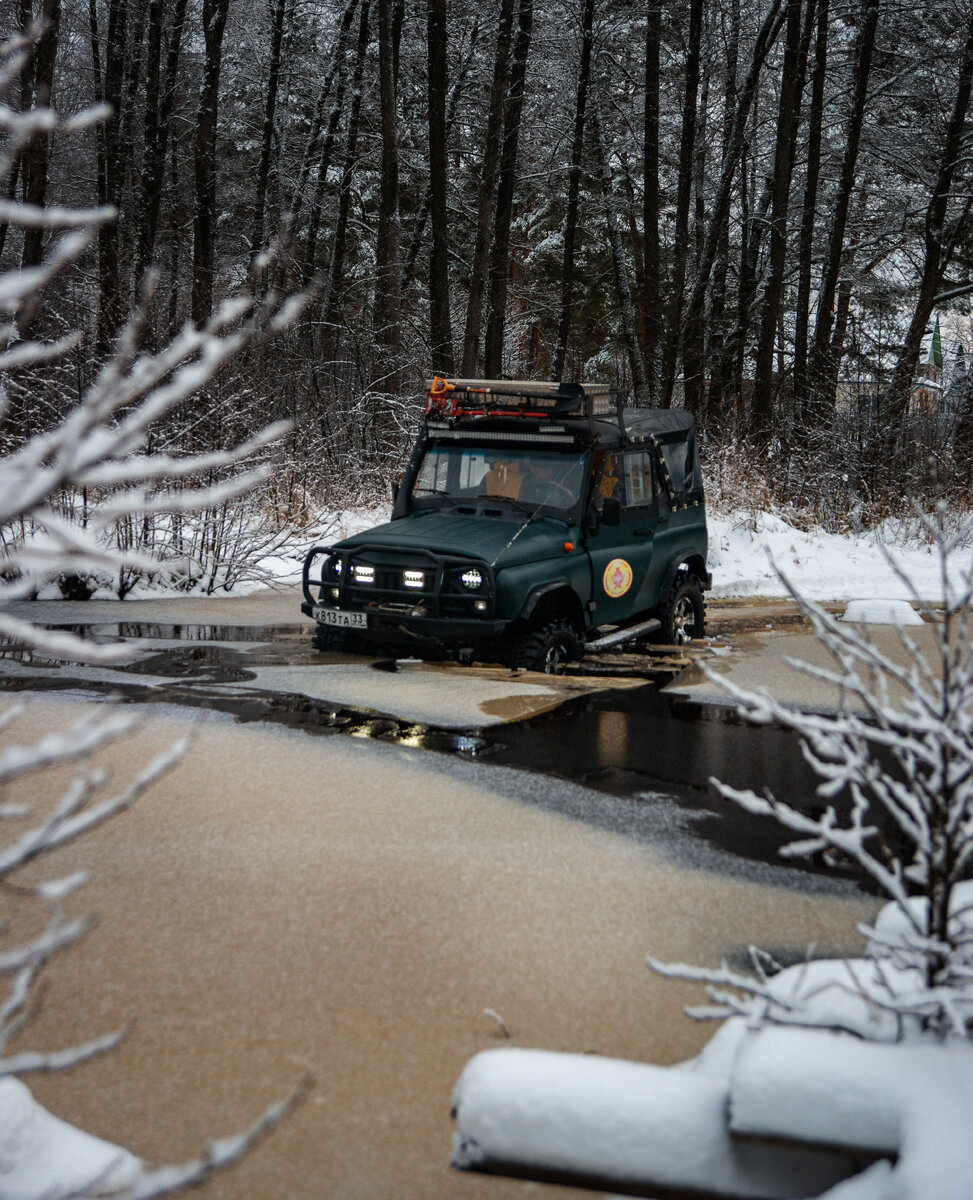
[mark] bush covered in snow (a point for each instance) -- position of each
(895, 766)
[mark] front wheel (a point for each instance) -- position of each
(683, 612)
(548, 648)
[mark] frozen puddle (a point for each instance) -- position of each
(281, 902)
(434, 693)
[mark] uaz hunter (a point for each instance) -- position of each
(534, 521)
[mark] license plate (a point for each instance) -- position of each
(338, 616)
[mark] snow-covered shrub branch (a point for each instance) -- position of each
(895, 769)
(99, 448)
(101, 444)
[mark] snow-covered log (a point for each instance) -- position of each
(621, 1126)
(831, 1089)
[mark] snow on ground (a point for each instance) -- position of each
(881, 612)
(822, 566)
(742, 547)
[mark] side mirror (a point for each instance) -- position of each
(611, 511)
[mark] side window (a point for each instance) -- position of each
(611, 485)
(640, 488)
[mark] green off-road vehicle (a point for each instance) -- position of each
(534, 521)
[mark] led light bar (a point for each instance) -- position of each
(413, 579)
(364, 574)
(492, 435)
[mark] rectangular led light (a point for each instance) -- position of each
(364, 574)
(413, 579)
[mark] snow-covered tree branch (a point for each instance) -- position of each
(99, 445)
(895, 768)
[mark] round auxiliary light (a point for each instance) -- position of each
(472, 579)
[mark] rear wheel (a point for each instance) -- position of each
(548, 647)
(683, 612)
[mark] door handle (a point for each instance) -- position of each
(644, 532)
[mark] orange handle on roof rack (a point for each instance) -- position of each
(440, 386)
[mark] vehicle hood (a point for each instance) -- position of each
(501, 543)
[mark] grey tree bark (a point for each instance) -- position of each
(574, 189)
(506, 182)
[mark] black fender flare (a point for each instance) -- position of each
(692, 562)
(548, 589)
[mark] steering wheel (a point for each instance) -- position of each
(567, 496)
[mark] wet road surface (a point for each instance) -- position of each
(615, 734)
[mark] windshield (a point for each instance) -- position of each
(551, 480)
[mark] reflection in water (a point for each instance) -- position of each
(612, 738)
(633, 743)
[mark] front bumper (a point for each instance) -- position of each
(433, 613)
(383, 622)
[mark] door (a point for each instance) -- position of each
(628, 558)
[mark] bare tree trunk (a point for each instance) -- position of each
(574, 189)
(332, 288)
(270, 111)
(790, 98)
(36, 157)
(422, 216)
(204, 217)
(809, 211)
(503, 211)
(766, 36)
(109, 297)
(440, 331)
(719, 379)
(694, 334)
(819, 369)
(680, 249)
(321, 183)
(485, 196)
(24, 17)
(387, 318)
(159, 101)
(626, 307)
(651, 301)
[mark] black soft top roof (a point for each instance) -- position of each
(659, 421)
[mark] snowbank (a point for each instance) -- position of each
(822, 566)
(881, 612)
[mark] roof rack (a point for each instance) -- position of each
(522, 398)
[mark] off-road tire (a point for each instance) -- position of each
(683, 612)
(548, 647)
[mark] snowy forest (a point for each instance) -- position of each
(757, 209)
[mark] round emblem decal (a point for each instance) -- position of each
(617, 578)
